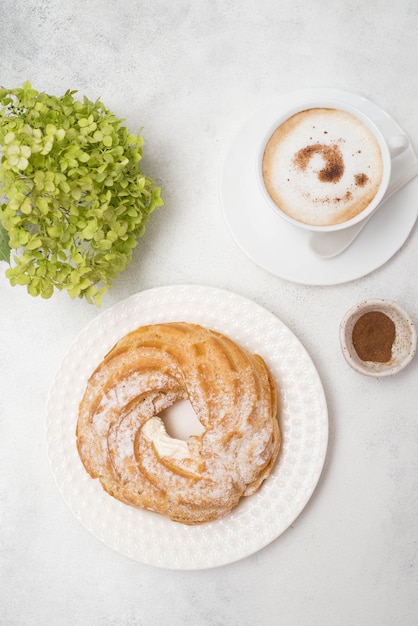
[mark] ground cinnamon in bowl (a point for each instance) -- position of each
(377, 337)
(373, 337)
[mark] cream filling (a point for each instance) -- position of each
(165, 446)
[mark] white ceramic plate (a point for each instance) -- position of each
(259, 519)
(283, 249)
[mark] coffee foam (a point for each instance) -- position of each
(322, 166)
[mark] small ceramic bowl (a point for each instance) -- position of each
(404, 345)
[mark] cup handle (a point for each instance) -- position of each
(397, 145)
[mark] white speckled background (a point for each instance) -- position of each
(191, 73)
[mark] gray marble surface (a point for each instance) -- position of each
(191, 73)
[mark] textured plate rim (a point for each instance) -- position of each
(302, 457)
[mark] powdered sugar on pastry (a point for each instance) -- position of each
(122, 441)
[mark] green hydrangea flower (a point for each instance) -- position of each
(75, 199)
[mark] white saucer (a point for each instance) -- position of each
(282, 249)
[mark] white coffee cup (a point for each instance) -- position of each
(325, 166)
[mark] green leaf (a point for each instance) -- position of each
(4, 244)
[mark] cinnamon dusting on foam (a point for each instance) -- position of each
(315, 163)
(333, 159)
(361, 180)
